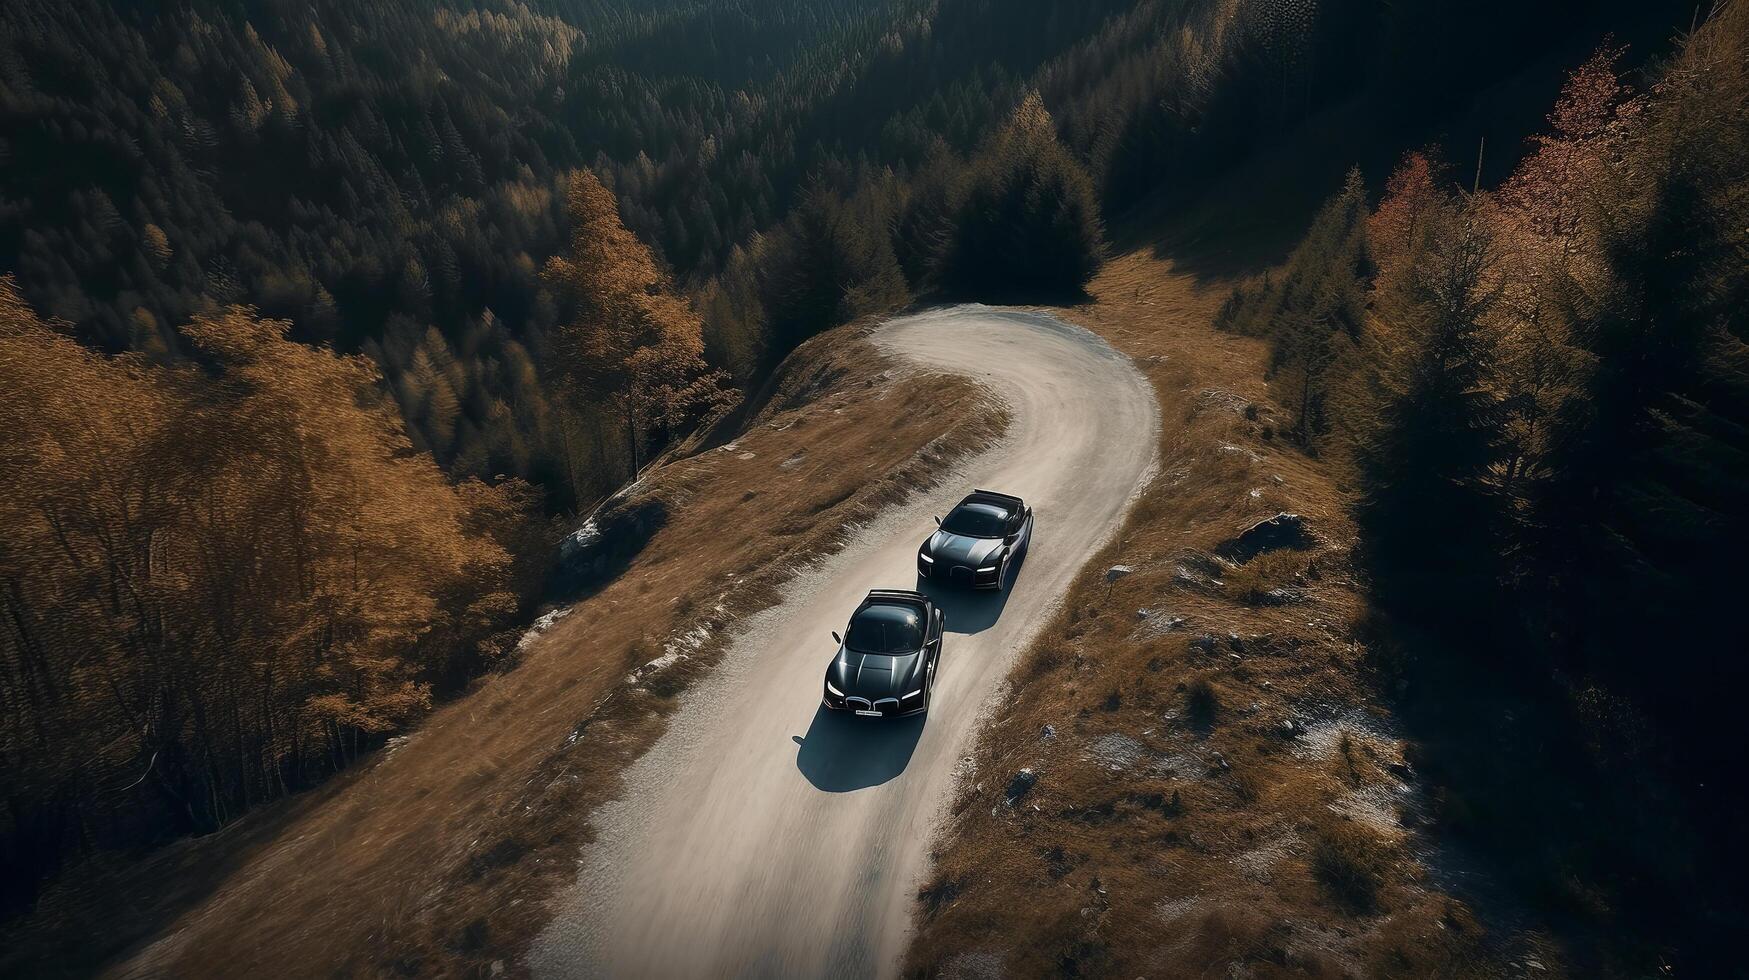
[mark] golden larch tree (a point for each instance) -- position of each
(631, 343)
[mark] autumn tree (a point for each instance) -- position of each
(220, 582)
(631, 342)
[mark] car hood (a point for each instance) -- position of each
(874, 675)
(957, 549)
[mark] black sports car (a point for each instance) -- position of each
(887, 657)
(978, 542)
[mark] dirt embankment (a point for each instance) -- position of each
(433, 858)
(1192, 778)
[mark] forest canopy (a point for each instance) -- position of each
(1540, 394)
(314, 314)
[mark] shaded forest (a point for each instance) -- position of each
(348, 301)
(1540, 392)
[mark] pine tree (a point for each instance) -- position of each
(1028, 222)
(1425, 458)
(830, 263)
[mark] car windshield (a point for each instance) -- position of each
(886, 630)
(976, 521)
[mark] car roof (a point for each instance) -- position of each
(895, 597)
(888, 610)
(985, 506)
(1008, 502)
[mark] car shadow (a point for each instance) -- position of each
(842, 753)
(968, 611)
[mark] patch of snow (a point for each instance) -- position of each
(580, 540)
(1374, 807)
(690, 640)
(655, 666)
(541, 625)
(1218, 398)
(1179, 767)
(1116, 750)
(1258, 864)
(1152, 626)
(1173, 909)
(1323, 740)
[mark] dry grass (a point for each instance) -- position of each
(434, 858)
(1219, 796)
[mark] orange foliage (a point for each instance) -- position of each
(633, 342)
(218, 582)
(1411, 195)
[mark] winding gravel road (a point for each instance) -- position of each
(763, 836)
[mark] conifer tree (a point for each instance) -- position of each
(1028, 222)
(1427, 453)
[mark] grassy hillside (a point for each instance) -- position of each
(1446, 732)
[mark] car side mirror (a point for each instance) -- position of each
(836, 638)
(938, 522)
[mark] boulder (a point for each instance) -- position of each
(1284, 530)
(1019, 786)
(606, 543)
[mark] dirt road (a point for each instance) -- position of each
(764, 836)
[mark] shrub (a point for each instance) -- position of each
(1346, 860)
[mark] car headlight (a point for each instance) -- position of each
(833, 691)
(988, 568)
(924, 555)
(913, 694)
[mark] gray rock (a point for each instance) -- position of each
(1278, 597)
(1284, 530)
(1019, 786)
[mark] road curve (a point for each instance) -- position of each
(763, 836)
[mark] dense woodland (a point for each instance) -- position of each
(444, 272)
(1541, 393)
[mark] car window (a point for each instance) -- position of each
(979, 520)
(886, 630)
